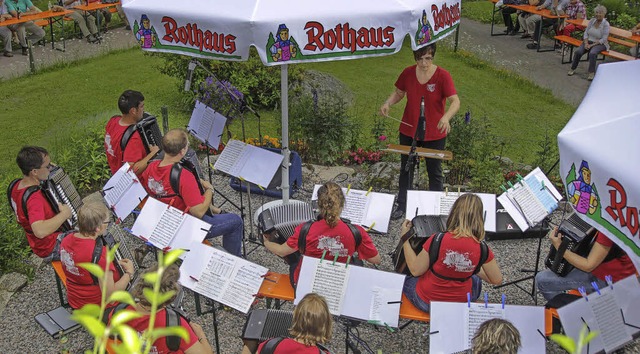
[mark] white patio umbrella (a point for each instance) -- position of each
(289, 31)
(599, 160)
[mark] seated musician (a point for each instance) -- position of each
(496, 336)
(312, 324)
(156, 180)
(329, 234)
(79, 247)
(453, 273)
(131, 104)
(197, 342)
(605, 258)
(36, 216)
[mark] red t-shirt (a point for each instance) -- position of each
(457, 259)
(435, 93)
(38, 209)
(336, 241)
(80, 288)
(133, 152)
(290, 346)
(160, 346)
(156, 180)
(619, 268)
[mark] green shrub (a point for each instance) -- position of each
(323, 125)
(14, 248)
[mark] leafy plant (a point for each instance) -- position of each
(14, 248)
(90, 315)
(570, 345)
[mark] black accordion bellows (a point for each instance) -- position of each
(149, 132)
(58, 188)
(577, 236)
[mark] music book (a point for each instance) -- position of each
(356, 292)
(166, 227)
(531, 199)
(613, 312)
(453, 325)
(248, 162)
(440, 203)
(206, 124)
(57, 321)
(222, 277)
(364, 208)
(123, 192)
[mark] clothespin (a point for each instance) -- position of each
(324, 253)
(503, 188)
(609, 280)
(520, 179)
(510, 184)
(371, 227)
(166, 249)
(203, 229)
(118, 221)
(135, 180)
(583, 292)
(348, 260)
(348, 188)
(504, 299)
(265, 277)
(458, 190)
(137, 212)
(335, 258)
(595, 286)
(186, 210)
(486, 300)
(368, 191)
(192, 277)
(541, 185)
(241, 178)
(389, 327)
(130, 168)
(469, 300)
(446, 191)
(261, 187)
(211, 167)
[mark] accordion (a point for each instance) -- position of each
(191, 163)
(282, 220)
(578, 237)
(58, 188)
(263, 324)
(423, 226)
(116, 234)
(149, 132)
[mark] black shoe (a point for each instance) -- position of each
(513, 33)
(398, 213)
(533, 45)
(25, 50)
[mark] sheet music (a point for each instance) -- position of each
(206, 124)
(166, 228)
(123, 192)
(324, 278)
(609, 319)
(446, 203)
(222, 277)
(251, 163)
(381, 309)
(477, 314)
(356, 206)
(440, 203)
(117, 189)
(528, 204)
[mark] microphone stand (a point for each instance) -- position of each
(412, 160)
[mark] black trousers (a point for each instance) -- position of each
(434, 168)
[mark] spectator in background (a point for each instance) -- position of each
(496, 336)
(5, 32)
(536, 23)
(18, 8)
(87, 24)
(595, 40)
(575, 10)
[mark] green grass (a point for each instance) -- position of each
(479, 10)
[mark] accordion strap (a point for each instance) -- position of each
(126, 137)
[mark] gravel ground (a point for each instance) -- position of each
(17, 322)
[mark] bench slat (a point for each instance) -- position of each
(617, 55)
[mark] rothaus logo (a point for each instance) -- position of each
(193, 36)
(445, 16)
(342, 36)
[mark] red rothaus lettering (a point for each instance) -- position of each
(627, 216)
(446, 16)
(342, 36)
(193, 36)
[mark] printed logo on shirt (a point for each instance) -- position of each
(14, 206)
(431, 87)
(460, 262)
(107, 143)
(156, 187)
(67, 259)
(332, 245)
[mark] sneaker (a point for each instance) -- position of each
(513, 33)
(532, 45)
(571, 72)
(25, 50)
(526, 35)
(397, 214)
(591, 76)
(92, 38)
(8, 54)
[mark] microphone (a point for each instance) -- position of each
(187, 81)
(422, 121)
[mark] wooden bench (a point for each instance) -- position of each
(61, 280)
(276, 286)
(617, 55)
(575, 42)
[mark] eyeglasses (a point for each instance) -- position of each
(424, 59)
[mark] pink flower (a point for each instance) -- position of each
(382, 137)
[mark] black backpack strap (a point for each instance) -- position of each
(270, 345)
(126, 137)
(484, 254)
(172, 319)
(434, 249)
(110, 311)
(10, 189)
(95, 256)
(25, 198)
(302, 237)
(174, 177)
(357, 236)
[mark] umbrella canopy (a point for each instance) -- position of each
(289, 31)
(598, 155)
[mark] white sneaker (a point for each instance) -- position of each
(571, 72)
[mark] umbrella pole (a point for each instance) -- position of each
(284, 90)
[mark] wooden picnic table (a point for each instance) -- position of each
(94, 7)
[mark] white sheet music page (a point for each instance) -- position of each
(251, 163)
(446, 202)
(166, 228)
(527, 202)
(477, 314)
(244, 284)
(356, 205)
(324, 278)
(227, 159)
(123, 192)
(610, 322)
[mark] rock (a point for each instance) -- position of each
(323, 174)
(321, 84)
(13, 282)
(5, 296)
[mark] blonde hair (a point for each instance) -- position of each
(91, 216)
(330, 202)
(466, 218)
(168, 282)
(312, 322)
(496, 336)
